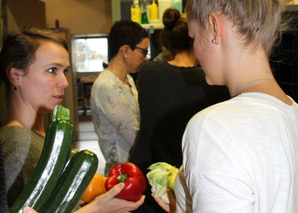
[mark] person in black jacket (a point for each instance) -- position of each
(170, 93)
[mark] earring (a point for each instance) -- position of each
(213, 41)
(15, 88)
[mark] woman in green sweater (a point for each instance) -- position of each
(33, 64)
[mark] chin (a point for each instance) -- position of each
(209, 81)
(46, 109)
(213, 82)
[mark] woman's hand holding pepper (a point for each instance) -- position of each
(108, 203)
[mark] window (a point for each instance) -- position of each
(89, 52)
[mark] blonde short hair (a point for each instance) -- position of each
(256, 21)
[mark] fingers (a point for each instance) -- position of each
(161, 203)
(109, 202)
(171, 196)
(115, 190)
(130, 205)
(27, 209)
(172, 200)
(140, 201)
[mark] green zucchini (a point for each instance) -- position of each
(55, 153)
(73, 152)
(72, 183)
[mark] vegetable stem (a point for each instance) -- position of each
(122, 178)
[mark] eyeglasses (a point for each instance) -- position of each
(144, 51)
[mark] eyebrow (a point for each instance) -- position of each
(59, 65)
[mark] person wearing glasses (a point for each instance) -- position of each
(114, 97)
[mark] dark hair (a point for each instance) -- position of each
(19, 49)
(125, 32)
(174, 36)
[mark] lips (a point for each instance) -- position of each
(59, 97)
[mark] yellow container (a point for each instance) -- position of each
(153, 11)
(135, 12)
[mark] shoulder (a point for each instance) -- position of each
(13, 132)
(152, 66)
(105, 81)
(104, 76)
(228, 122)
(227, 111)
(13, 135)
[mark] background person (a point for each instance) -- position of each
(170, 93)
(114, 97)
(33, 63)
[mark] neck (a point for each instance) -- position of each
(252, 73)
(24, 116)
(184, 59)
(118, 68)
(246, 67)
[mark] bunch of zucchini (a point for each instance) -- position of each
(58, 181)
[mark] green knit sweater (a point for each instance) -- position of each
(21, 149)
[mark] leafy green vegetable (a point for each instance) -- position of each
(162, 176)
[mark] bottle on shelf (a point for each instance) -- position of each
(153, 13)
(135, 11)
(144, 19)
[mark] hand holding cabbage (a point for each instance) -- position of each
(161, 177)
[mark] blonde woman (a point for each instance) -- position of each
(239, 155)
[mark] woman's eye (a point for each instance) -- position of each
(65, 71)
(52, 70)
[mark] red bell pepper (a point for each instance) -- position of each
(133, 179)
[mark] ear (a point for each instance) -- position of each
(124, 50)
(14, 75)
(216, 26)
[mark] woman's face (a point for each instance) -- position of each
(205, 52)
(137, 57)
(42, 87)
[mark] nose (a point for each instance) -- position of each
(63, 83)
(146, 58)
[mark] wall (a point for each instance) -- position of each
(80, 16)
(17, 14)
(17, 17)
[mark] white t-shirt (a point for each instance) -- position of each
(241, 155)
(183, 198)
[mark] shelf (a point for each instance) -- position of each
(152, 26)
(292, 7)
